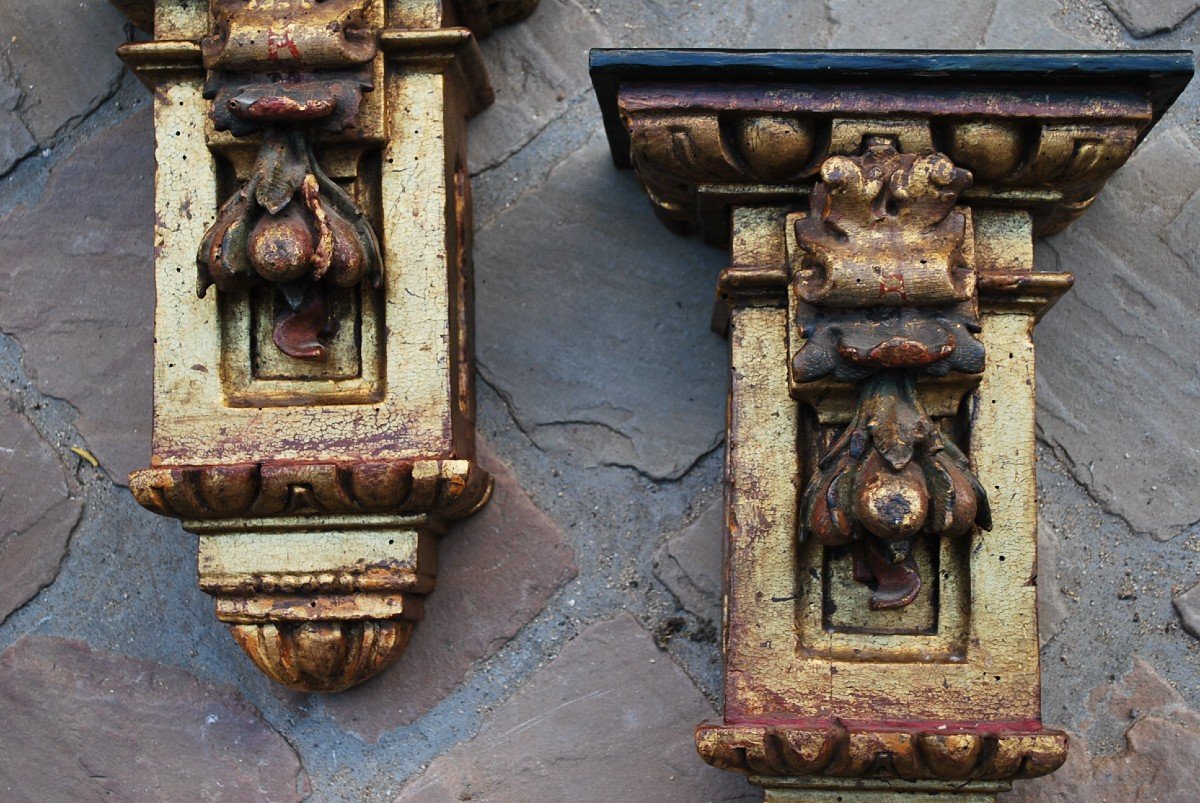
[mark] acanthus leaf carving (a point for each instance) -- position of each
(287, 71)
(292, 226)
(891, 475)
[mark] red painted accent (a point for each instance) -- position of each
(282, 108)
(892, 282)
(275, 42)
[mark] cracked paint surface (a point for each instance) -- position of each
(605, 397)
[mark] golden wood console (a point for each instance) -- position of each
(314, 377)
(880, 210)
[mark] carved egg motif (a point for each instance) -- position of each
(992, 151)
(774, 148)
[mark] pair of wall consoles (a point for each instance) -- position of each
(314, 377)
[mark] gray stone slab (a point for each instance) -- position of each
(15, 140)
(952, 23)
(593, 322)
(1148, 17)
(86, 725)
(62, 57)
(77, 290)
(537, 67)
(1111, 595)
(1117, 377)
(941, 24)
(540, 66)
(610, 718)
(1042, 25)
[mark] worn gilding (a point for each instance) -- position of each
(314, 374)
(880, 630)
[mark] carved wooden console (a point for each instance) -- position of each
(880, 208)
(314, 397)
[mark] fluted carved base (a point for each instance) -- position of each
(319, 602)
(323, 656)
(833, 750)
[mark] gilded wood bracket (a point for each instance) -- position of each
(880, 210)
(314, 374)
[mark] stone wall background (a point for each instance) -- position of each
(571, 645)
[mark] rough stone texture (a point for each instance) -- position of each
(1148, 17)
(38, 510)
(77, 290)
(689, 563)
(578, 321)
(611, 717)
(61, 56)
(1113, 593)
(84, 725)
(1053, 604)
(1157, 764)
(1027, 24)
(1126, 328)
(604, 357)
(15, 140)
(498, 569)
(1187, 605)
(858, 22)
(537, 68)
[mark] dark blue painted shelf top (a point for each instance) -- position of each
(1162, 74)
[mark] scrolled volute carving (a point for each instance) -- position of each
(882, 230)
(883, 294)
(287, 71)
(287, 35)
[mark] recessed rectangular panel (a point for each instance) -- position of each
(846, 601)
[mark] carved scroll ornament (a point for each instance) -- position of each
(885, 294)
(288, 71)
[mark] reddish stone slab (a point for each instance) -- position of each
(37, 512)
(77, 290)
(1158, 764)
(1187, 605)
(86, 725)
(498, 570)
(611, 718)
(689, 563)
